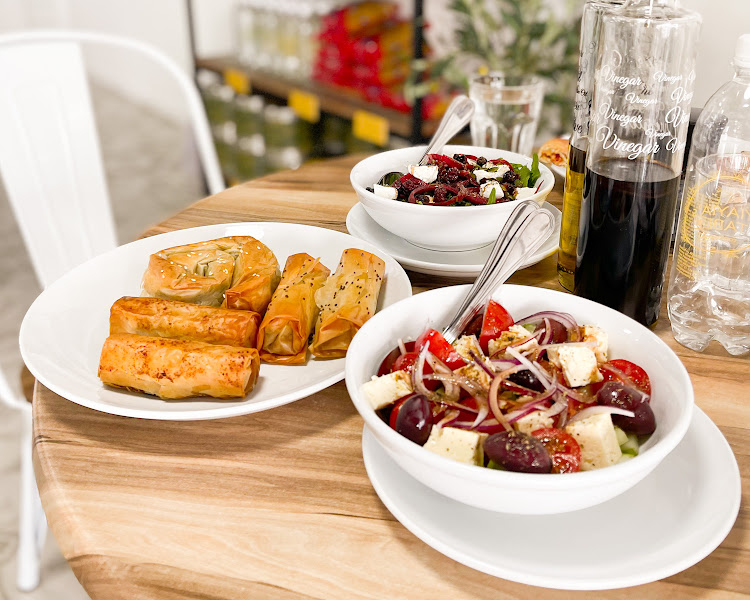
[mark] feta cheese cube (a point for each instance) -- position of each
(472, 371)
(386, 389)
(501, 170)
(578, 363)
(481, 174)
(459, 444)
(597, 336)
(486, 189)
(385, 191)
(427, 173)
(512, 335)
(598, 441)
(533, 421)
(465, 345)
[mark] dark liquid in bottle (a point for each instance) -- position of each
(623, 241)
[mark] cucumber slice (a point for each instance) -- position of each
(622, 437)
(631, 446)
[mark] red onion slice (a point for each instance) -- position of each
(481, 364)
(534, 368)
(565, 319)
(452, 391)
(560, 405)
(494, 402)
(530, 407)
(547, 337)
(417, 375)
(450, 417)
(597, 410)
(572, 394)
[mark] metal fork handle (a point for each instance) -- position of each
(456, 116)
(527, 228)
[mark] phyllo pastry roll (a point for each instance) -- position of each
(204, 272)
(290, 318)
(184, 321)
(348, 298)
(256, 275)
(173, 369)
(196, 273)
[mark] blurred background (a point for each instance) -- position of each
(297, 79)
(284, 82)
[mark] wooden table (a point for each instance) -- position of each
(277, 505)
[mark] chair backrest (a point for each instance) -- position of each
(50, 159)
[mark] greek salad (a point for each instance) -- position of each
(537, 395)
(460, 180)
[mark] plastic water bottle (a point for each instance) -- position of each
(709, 285)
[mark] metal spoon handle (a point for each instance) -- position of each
(526, 229)
(456, 116)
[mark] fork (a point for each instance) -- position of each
(525, 230)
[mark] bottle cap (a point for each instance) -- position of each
(742, 51)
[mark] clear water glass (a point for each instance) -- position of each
(507, 110)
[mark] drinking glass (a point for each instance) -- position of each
(507, 109)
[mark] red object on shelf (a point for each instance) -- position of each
(357, 20)
(393, 42)
(367, 49)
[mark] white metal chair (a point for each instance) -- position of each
(51, 165)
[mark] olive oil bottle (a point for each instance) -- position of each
(574, 176)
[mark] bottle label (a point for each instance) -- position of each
(641, 114)
(715, 222)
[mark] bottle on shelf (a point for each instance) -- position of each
(574, 175)
(282, 138)
(247, 41)
(709, 285)
(639, 119)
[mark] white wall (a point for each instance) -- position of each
(723, 22)
(162, 23)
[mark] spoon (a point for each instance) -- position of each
(456, 116)
(525, 230)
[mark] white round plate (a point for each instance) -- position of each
(467, 263)
(63, 331)
(668, 522)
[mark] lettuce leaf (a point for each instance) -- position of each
(528, 176)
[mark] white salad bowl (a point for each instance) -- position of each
(447, 228)
(511, 492)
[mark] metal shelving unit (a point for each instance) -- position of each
(335, 100)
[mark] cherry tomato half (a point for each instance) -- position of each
(562, 447)
(496, 320)
(406, 362)
(623, 370)
(386, 365)
(440, 347)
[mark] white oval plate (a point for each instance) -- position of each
(467, 263)
(63, 331)
(668, 522)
